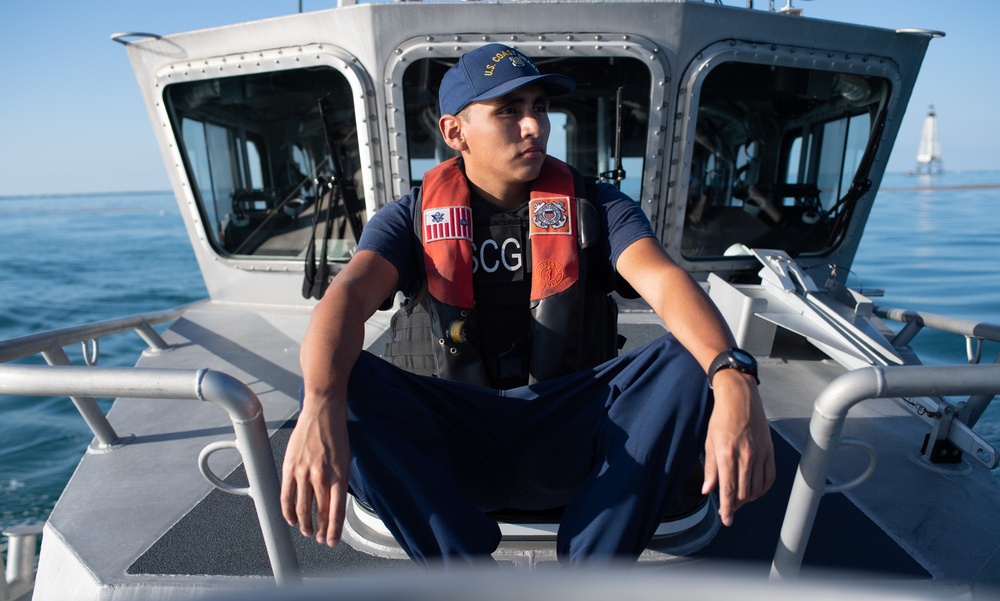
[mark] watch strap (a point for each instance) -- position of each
(727, 359)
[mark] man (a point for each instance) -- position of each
(531, 409)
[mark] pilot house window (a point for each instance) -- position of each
(583, 124)
(775, 154)
(264, 151)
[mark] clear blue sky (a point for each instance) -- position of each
(72, 121)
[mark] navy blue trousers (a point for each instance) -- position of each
(612, 444)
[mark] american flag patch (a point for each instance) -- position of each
(448, 223)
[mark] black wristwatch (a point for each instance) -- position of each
(733, 358)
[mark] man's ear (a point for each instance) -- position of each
(451, 131)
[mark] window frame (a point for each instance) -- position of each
(284, 59)
(539, 47)
(671, 228)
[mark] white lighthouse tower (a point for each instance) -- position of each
(929, 154)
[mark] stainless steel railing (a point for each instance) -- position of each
(826, 425)
(34, 344)
(242, 405)
(975, 333)
(50, 346)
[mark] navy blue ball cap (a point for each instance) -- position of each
(490, 72)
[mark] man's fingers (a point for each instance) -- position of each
(338, 509)
(721, 476)
(721, 471)
(744, 481)
(288, 499)
(710, 475)
(322, 511)
(728, 501)
(763, 477)
(303, 506)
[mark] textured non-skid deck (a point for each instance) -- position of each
(220, 536)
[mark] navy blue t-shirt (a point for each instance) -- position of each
(389, 233)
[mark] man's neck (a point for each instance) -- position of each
(507, 198)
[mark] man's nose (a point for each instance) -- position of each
(531, 125)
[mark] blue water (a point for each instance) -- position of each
(70, 260)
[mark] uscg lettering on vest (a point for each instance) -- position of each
(495, 256)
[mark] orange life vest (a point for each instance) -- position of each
(561, 223)
(446, 233)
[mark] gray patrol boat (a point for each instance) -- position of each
(755, 141)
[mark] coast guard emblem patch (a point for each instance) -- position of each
(550, 217)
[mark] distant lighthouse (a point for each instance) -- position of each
(929, 154)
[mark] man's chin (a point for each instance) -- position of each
(530, 171)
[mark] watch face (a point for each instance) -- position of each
(743, 357)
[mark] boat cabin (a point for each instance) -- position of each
(730, 127)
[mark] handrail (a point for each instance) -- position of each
(966, 327)
(33, 344)
(827, 423)
(49, 344)
(974, 331)
(227, 392)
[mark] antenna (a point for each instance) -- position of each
(787, 9)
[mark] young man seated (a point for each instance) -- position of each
(530, 409)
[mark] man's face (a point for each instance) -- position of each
(506, 137)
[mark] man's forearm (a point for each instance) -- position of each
(336, 331)
(693, 319)
(677, 299)
(330, 347)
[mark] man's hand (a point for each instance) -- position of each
(316, 468)
(739, 456)
(318, 459)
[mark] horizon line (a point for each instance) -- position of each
(83, 194)
(170, 191)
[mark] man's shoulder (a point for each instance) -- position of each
(402, 207)
(606, 192)
(613, 203)
(407, 200)
(391, 221)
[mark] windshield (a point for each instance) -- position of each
(267, 154)
(583, 124)
(775, 154)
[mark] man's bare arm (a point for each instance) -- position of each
(318, 457)
(739, 457)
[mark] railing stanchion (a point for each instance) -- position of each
(86, 405)
(242, 405)
(826, 425)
